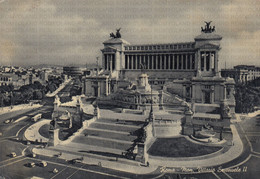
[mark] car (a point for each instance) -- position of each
(1, 133)
(55, 170)
(32, 164)
(13, 154)
(43, 164)
(7, 121)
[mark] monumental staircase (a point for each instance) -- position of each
(108, 137)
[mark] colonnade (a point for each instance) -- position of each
(185, 61)
(208, 61)
(109, 62)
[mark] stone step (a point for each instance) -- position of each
(121, 121)
(124, 136)
(104, 142)
(114, 127)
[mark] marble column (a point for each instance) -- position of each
(216, 64)
(182, 59)
(148, 57)
(161, 59)
(156, 61)
(205, 61)
(129, 61)
(136, 62)
(108, 59)
(198, 61)
(169, 61)
(111, 63)
(173, 61)
(152, 62)
(191, 61)
(126, 61)
(178, 61)
(186, 58)
(132, 62)
(210, 63)
(165, 67)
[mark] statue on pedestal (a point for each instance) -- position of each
(117, 35)
(53, 124)
(208, 28)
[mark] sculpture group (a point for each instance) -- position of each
(208, 28)
(118, 35)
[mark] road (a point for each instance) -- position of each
(245, 166)
(16, 167)
(12, 141)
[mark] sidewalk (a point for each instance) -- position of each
(123, 165)
(242, 116)
(7, 109)
(32, 132)
(71, 151)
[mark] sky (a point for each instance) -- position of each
(72, 32)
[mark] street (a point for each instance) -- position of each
(12, 140)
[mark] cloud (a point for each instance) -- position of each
(66, 31)
(242, 50)
(42, 36)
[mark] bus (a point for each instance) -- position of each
(37, 117)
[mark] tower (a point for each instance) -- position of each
(207, 45)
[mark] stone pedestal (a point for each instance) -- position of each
(141, 153)
(187, 126)
(53, 137)
(96, 112)
(143, 84)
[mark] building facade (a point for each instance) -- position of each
(242, 73)
(189, 70)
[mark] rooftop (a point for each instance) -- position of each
(208, 36)
(115, 41)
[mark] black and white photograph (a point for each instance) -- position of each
(129, 89)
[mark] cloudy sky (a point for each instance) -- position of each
(70, 32)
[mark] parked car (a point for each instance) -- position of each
(13, 154)
(55, 170)
(43, 164)
(7, 121)
(33, 155)
(32, 164)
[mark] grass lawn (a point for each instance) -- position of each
(179, 147)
